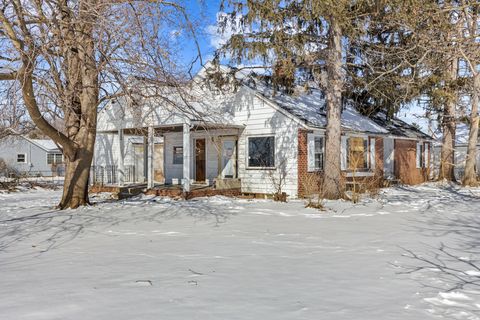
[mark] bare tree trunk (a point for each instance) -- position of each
(64, 51)
(333, 186)
(470, 177)
(75, 189)
(447, 157)
(449, 125)
(82, 100)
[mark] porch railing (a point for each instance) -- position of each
(104, 175)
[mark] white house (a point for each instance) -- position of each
(36, 157)
(248, 136)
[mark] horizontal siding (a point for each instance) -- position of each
(115, 114)
(106, 149)
(173, 139)
(212, 152)
(36, 157)
(260, 118)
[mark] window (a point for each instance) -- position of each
(315, 152)
(357, 153)
(54, 158)
(421, 155)
(318, 150)
(21, 158)
(261, 152)
(177, 155)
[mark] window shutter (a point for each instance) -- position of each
(418, 155)
(426, 161)
(344, 151)
(372, 153)
(311, 152)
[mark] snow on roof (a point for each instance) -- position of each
(353, 120)
(46, 144)
(400, 128)
(309, 106)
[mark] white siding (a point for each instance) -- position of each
(106, 149)
(262, 119)
(35, 157)
(174, 139)
(120, 114)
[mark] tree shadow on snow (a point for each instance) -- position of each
(450, 223)
(53, 228)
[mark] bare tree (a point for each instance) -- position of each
(69, 57)
(469, 13)
(13, 115)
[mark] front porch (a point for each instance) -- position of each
(186, 158)
(169, 190)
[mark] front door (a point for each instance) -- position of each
(200, 156)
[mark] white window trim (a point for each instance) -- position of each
(247, 147)
(426, 155)
(310, 153)
(419, 154)
(24, 157)
(173, 156)
(54, 158)
(369, 169)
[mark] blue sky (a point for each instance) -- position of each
(204, 16)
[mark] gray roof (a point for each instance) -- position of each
(45, 144)
(400, 128)
(309, 106)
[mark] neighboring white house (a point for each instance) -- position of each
(36, 157)
(249, 136)
(461, 144)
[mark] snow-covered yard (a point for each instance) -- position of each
(410, 254)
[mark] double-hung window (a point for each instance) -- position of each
(21, 158)
(316, 151)
(54, 158)
(261, 152)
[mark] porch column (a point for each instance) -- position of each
(186, 157)
(145, 158)
(121, 159)
(151, 148)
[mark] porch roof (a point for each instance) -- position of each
(174, 127)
